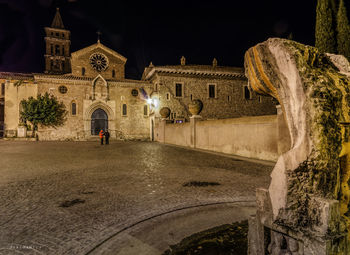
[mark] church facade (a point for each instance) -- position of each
(92, 85)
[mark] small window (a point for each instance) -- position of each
(57, 34)
(134, 92)
(124, 110)
(145, 110)
(51, 64)
(191, 97)
(178, 90)
(62, 50)
(211, 91)
(229, 98)
(3, 89)
(168, 96)
(51, 49)
(74, 109)
(247, 94)
(62, 35)
(113, 73)
(62, 89)
(260, 99)
(62, 66)
(83, 71)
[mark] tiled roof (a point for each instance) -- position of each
(202, 70)
(16, 76)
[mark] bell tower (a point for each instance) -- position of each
(57, 40)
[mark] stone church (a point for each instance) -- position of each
(92, 85)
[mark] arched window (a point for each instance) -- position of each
(113, 73)
(83, 71)
(74, 109)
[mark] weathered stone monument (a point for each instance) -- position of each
(306, 208)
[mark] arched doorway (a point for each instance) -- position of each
(99, 120)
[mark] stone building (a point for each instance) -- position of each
(223, 90)
(92, 85)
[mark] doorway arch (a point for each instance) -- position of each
(99, 120)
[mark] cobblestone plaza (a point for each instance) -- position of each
(67, 197)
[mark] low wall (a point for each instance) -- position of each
(253, 137)
(179, 134)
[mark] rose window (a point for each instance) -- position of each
(99, 62)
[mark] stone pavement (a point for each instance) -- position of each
(105, 189)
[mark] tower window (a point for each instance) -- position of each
(145, 110)
(74, 109)
(83, 71)
(57, 49)
(124, 110)
(113, 73)
(62, 50)
(51, 46)
(57, 34)
(178, 90)
(62, 66)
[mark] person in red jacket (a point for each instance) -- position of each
(101, 136)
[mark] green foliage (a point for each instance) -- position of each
(325, 23)
(343, 31)
(44, 110)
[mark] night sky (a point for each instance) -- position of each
(157, 31)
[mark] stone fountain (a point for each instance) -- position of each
(305, 210)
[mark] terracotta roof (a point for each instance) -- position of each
(203, 70)
(16, 76)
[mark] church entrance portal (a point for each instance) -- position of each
(99, 120)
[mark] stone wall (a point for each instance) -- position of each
(229, 102)
(14, 94)
(81, 59)
(253, 137)
(134, 125)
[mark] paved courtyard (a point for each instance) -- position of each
(68, 197)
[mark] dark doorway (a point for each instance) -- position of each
(99, 120)
(152, 127)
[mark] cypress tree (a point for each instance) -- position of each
(325, 34)
(343, 31)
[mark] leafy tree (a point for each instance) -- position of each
(44, 110)
(325, 34)
(343, 31)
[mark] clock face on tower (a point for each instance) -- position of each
(99, 61)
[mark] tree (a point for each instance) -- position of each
(343, 31)
(325, 34)
(44, 110)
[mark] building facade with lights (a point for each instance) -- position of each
(92, 85)
(223, 90)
